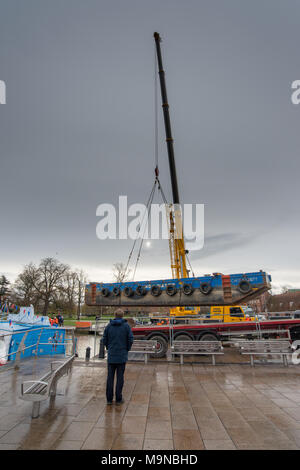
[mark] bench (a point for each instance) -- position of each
(144, 347)
(83, 325)
(45, 387)
(182, 348)
(265, 348)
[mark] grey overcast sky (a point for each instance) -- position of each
(78, 129)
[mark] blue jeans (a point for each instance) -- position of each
(111, 369)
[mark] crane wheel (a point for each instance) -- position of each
(208, 337)
(155, 290)
(188, 289)
(162, 346)
(205, 288)
(141, 290)
(105, 292)
(128, 292)
(171, 289)
(244, 286)
(183, 337)
(116, 291)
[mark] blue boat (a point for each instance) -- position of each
(216, 289)
(33, 334)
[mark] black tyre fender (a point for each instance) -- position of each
(188, 289)
(155, 290)
(128, 291)
(171, 289)
(163, 344)
(141, 290)
(105, 292)
(244, 286)
(205, 288)
(116, 291)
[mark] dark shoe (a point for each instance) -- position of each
(109, 403)
(119, 402)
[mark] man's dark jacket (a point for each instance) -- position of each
(118, 339)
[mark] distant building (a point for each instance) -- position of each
(260, 304)
(289, 300)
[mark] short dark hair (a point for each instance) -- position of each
(119, 313)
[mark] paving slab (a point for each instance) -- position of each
(194, 406)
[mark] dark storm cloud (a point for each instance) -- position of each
(78, 127)
(222, 242)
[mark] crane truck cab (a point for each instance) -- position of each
(229, 313)
(184, 311)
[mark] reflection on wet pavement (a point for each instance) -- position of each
(87, 340)
(167, 406)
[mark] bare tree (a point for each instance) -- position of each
(81, 279)
(24, 289)
(120, 273)
(69, 288)
(4, 286)
(284, 289)
(42, 283)
(64, 297)
(51, 274)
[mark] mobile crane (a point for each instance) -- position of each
(184, 294)
(216, 290)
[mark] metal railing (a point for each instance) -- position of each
(22, 348)
(285, 313)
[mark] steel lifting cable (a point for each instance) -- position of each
(134, 243)
(155, 111)
(188, 260)
(142, 238)
(162, 192)
(165, 201)
(149, 202)
(155, 158)
(157, 181)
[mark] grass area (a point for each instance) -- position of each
(69, 322)
(72, 321)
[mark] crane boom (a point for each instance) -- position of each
(176, 239)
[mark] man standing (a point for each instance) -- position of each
(118, 339)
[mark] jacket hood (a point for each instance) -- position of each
(117, 321)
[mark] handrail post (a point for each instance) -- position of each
(19, 351)
(73, 343)
(38, 341)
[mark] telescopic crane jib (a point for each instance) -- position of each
(176, 240)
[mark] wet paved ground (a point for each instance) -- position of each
(167, 406)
